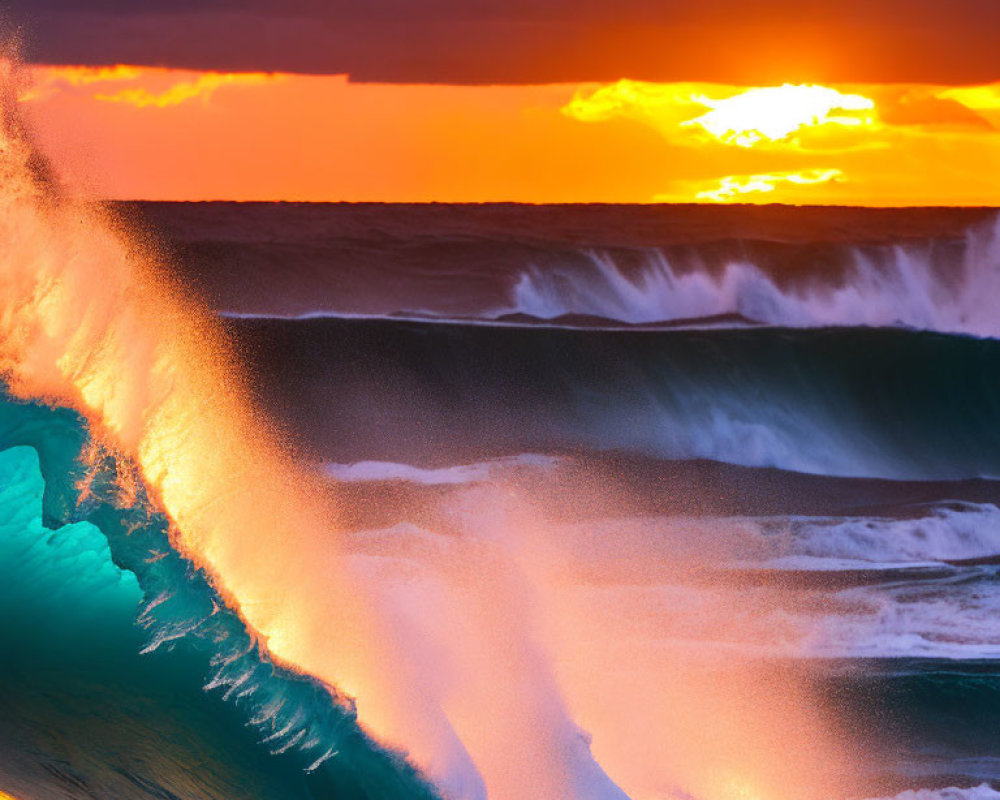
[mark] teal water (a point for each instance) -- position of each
(121, 673)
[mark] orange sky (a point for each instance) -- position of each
(149, 133)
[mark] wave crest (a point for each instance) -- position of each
(916, 285)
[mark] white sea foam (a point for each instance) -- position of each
(917, 619)
(363, 471)
(898, 286)
(951, 532)
(953, 618)
(938, 533)
(982, 792)
(643, 564)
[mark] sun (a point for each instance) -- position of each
(776, 113)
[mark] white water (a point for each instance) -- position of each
(644, 564)
(364, 471)
(943, 533)
(983, 792)
(903, 285)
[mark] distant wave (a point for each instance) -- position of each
(943, 532)
(904, 285)
(941, 285)
(853, 403)
(516, 320)
(954, 617)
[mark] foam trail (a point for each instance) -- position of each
(935, 534)
(938, 533)
(983, 792)
(905, 285)
(364, 471)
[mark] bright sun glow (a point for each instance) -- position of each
(743, 117)
(775, 113)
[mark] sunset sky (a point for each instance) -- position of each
(876, 103)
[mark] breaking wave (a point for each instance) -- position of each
(94, 569)
(912, 285)
(857, 402)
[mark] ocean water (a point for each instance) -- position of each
(380, 501)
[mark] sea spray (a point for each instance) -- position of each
(87, 321)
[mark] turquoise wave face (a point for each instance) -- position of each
(110, 639)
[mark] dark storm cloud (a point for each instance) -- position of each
(518, 41)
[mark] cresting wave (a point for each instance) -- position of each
(83, 552)
(914, 286)
(87, 323)
(601, 267)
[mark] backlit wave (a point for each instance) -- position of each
(86, 321)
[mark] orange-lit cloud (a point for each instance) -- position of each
(662, 106)
(47, 81)
(986, 98)
(984, 101)
(202, 86)
(870, 145)
(130, 132)
(85, 76)
(146, 87)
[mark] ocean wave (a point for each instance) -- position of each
(940, 534)
(947, 618)
(101, 576)
(932, 269)
(864, 403)
(936, 533)
(905, 285)
(908, 588)
(940, 284)
(944, 619)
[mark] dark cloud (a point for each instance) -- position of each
(530, 41)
